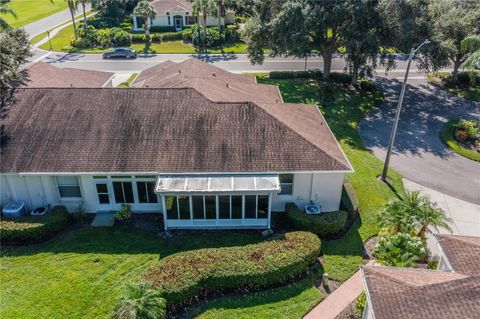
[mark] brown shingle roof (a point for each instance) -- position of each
(463, 253)
(160, 130)
(43, 74)
(213, 82)
(163, 6)
(415, 293)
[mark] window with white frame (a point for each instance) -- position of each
(146, 192)
(68, 186)
(286, 184)
(189, 20)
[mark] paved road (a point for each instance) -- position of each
(231, 62)
(50, 22)
(419, 155)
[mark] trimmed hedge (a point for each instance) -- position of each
(31, 229)
(309, 74)
(183, 276)
(324, 225)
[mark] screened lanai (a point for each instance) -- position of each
(217, 201)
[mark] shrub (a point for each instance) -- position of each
(341, 78)
(231, 35)
(400, 250)
(367, 86)
(120, 38)
(103, 38)
(124, 213)
(309, 74)
(461, 135)
(139, 38)
(157, 28)
(214, 37)
(187, 35)
(30, 229)
(185, 275)
(81, 43)
(360, 304)
(470, 129)
(324, 225)
(141, 302)
(171, 36)
(464, 78)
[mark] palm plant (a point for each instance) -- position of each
(220, 13)
(431, 215)
(204, 8)
(4, 9)
(471, 44)
(141, 302)
(72, 7)
(146, 11)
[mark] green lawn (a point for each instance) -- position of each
(83, 273)
(447, 137)
(343, 113)
(61, 42)
(472, 93)
(29, 11)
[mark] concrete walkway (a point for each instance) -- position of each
(338, 300)
(52, 21)
(105, 219)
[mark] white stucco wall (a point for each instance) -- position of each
(162, 20)
(322, 188)
(39, 190)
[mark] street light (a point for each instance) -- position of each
(399, 109)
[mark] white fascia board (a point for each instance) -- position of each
(367, 293)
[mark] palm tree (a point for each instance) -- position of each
(220, 13)
(399, 214)
(145, 10)
(431, 215)
(204, 8)
(72, 6)
(84, 4)
(4, 9)
(141, 302)
(471, 44)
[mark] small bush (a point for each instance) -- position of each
(400, 250)
(186, 275)
(309, 74)
(141, 302)
(324, 225)
(31, 229)
(187, 35)
(157, 28)
(120, 38)
(125, 212)
(214, 37)
(360, 304)
(140, 38)
(467, 130)
(171, 36)
(231, 35)
(367, 86)
(341, 78)
(81, 43)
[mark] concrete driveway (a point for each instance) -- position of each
(419, 155)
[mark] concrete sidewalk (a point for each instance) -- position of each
(337, 301)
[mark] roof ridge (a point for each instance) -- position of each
(348, 166)
(460, 238)
(299, 134)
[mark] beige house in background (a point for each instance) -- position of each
(178, 14)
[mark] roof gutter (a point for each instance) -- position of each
(367, 294)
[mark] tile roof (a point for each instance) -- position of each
(463, 253)
(405, 293)
(161, 130)
(43, 74)
(163, 6)
(213, 82)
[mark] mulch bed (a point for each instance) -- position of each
(368, 247)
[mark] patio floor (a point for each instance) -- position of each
(105, 219)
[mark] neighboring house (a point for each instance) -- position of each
(41, 74)
(202, 161)
(178, 14)
(420, 293)
(214, 83)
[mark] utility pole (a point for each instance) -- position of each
(399, 109)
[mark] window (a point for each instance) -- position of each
(286, 184)
(224, 207)
(236, 207)
(123, 192)
(184, 207)
(68, 186)
(172, 210)
(102, 193)
(168, 20)
(250, 206)
(146, 192)
(210, 207)
(262, 211)
(198, 209)
(189, 20)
